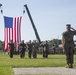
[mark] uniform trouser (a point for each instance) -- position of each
(11, 53)
(22, 53)
(70, 55)
(34, 53)
(30, 53)
(45, 53)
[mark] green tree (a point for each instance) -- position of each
(55, 41)
(1, 45)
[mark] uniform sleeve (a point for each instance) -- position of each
(74, 32)
(63, 34)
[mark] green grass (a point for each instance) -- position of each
(43, 74)
(6, 63)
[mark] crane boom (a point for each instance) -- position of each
(33, 25)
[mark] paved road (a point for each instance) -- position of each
(46, 70)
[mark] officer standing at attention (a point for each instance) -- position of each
(22, 47)
(35, 48)
(46, 47)
(30, 49)
(68, 44)
(11, 48)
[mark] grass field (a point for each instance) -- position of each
(6, 63)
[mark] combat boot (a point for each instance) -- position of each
(70, 66)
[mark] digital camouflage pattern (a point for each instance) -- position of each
(69, 45)
(11, 49)
(68, 36)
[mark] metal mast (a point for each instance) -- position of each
(33, 25)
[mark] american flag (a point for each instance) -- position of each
(12, 31)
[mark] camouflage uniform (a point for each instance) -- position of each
(45, 47)
(69, 45)
(35, 48)
(29, 49)
(11, 49)
(22, 49)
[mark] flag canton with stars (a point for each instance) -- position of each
(8, 22)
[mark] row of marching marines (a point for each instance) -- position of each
(30, 47)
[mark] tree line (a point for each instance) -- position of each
(53, 41)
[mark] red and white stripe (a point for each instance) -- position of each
(13, 33)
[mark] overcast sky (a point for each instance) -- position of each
(50, 17)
